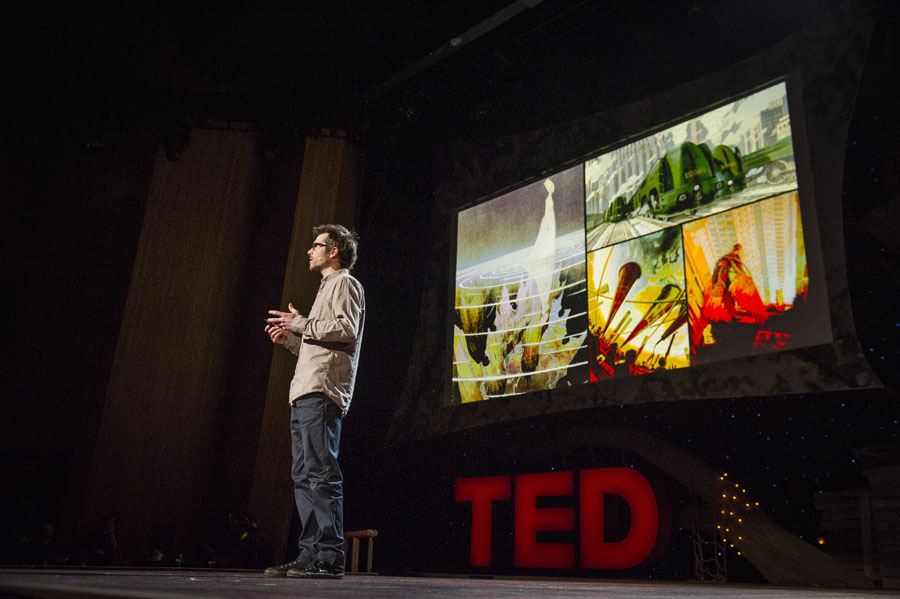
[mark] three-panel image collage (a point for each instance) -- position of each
(683, 247)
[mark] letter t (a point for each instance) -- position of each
(482, 492)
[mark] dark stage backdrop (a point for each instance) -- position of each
(71, 218)
(823, 63)
(157, 440)
(152, 274)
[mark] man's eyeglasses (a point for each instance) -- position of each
(316, 244)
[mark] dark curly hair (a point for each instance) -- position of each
(345, 240)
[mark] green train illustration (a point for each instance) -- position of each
(693, 175)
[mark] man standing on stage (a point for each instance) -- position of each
(326, 344)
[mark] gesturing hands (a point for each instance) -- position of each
(283, 319)
(280, 323)
(276, 334)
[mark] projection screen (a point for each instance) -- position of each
(683, 247)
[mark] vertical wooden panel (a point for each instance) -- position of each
(328, 193)
(157, 431)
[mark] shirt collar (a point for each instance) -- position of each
(332, 275)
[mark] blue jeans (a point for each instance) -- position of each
(318, 482)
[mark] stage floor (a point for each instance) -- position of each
(172, 584)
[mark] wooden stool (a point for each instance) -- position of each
(354, 556)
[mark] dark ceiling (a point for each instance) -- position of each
(317, 63)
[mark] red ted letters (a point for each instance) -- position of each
(594, 485)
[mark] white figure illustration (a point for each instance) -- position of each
(541, 258)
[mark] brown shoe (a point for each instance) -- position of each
(298, 572)
(283, 569)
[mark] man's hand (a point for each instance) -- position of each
(283, 319)
(276, 334)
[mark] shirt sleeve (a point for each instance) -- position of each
(348, 303)
(292, 343)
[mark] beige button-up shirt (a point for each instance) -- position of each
(327, 341)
